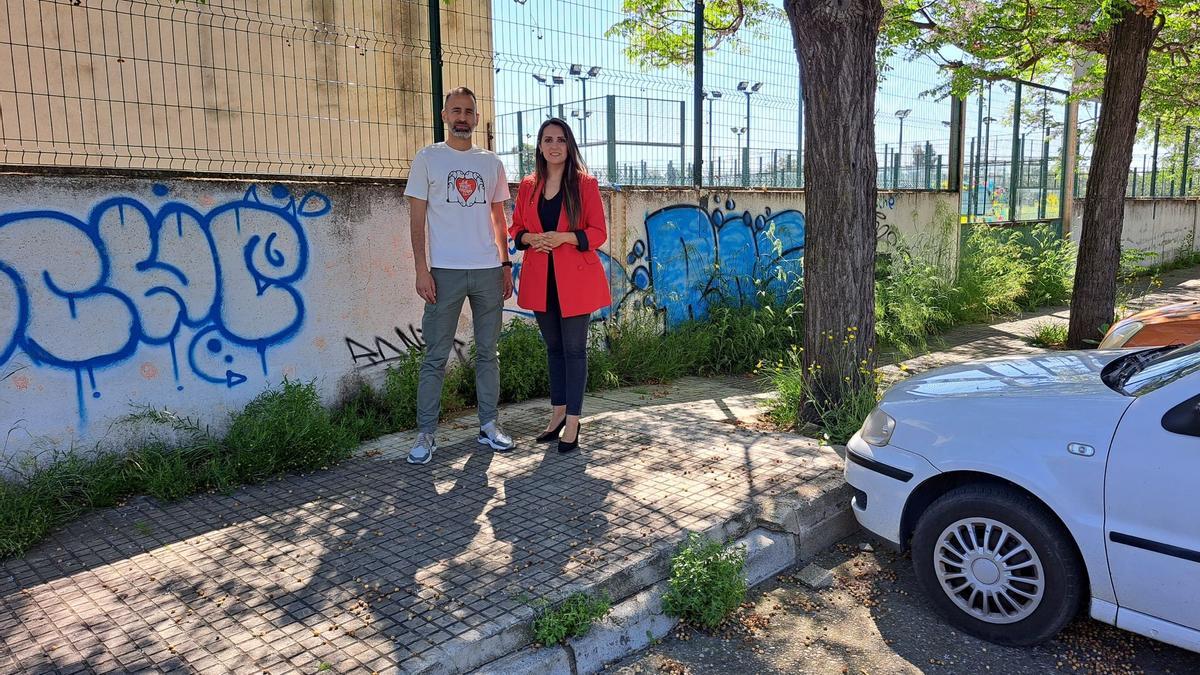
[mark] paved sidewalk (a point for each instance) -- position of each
(379, 566)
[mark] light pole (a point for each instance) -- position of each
(747, 89)
(987, 149)
(739, 131)
(550, 82)
(901, 114)
(577, 73)
(582, 117)
(711, 97)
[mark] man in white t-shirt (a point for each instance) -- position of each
(456, 193)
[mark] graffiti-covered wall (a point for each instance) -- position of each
(678, 251)
(195, 295)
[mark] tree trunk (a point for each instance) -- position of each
(1095, 292)
(835, 46)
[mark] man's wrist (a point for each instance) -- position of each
(506, 263)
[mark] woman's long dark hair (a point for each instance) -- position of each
(571, 172)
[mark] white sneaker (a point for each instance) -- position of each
(422, 452)
(491, 434)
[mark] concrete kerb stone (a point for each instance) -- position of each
(631, 625)
(637, 620)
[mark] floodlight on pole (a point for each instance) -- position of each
(901, 115)
(550, 82)
(577, 73)
(747, 88)
(711, 97)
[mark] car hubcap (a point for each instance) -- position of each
(989, 570)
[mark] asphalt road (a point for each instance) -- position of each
(874, 619)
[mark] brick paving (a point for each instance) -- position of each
(379, 566)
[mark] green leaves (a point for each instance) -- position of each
(660, 32)
(572, 619)
(706, 581)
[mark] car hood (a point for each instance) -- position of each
(1176, 312)
(1005, 405)
(1054, 374)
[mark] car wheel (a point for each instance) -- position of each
(998, 565)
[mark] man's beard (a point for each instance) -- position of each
(459, 133)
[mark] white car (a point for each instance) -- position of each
(1029, 486)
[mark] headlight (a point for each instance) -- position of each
(877, 428)
(1120, 335)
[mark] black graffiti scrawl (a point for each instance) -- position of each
(465, 187)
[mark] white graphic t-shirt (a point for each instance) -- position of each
(460, 187)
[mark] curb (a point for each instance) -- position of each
(788, 531)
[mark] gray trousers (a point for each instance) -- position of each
(484, 289)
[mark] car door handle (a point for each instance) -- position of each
(1184, 418)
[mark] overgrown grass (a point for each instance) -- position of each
(1049, 334)
(837, 414)
(283, 429)
(706, 581)
(1000, 272)
(571, 619)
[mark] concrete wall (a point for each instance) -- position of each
(195, 295)
(1166, 226)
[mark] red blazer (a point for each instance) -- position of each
(582, 284)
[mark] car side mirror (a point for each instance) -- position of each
(1184, 418)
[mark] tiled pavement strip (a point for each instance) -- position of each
(376, 565)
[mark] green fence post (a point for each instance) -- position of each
(1187, 146)
(611, 123)
(1154, 161)
(1015, 176)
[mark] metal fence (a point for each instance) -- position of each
(222, 86)
(309, 87)
(1014, 163)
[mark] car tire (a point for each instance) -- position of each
(998, 565)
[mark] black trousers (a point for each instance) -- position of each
(566, 351)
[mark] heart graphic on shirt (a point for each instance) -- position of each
(466, 187)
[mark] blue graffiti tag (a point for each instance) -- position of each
(692, 257)
(84, 295)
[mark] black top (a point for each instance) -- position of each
(548, 212)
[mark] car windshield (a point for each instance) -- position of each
(1144, 376)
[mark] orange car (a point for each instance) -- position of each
(1169, 325)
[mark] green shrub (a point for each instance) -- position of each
(1051, 269)
(399, 392)
(639, 352)
(571, 619)
(523, 369)
(706, 581)
(915, 297)
(364, 414)
(992, 275)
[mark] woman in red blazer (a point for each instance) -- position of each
(558, 220)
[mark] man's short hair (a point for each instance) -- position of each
(461, 90)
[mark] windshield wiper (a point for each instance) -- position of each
(1133, 364)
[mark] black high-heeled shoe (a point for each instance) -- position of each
(547, 436)
(564, 446)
